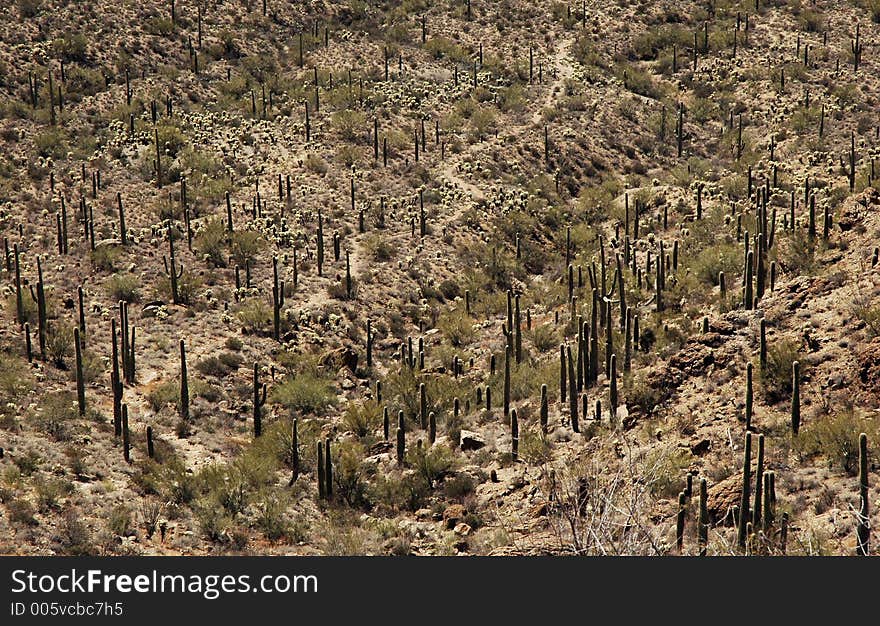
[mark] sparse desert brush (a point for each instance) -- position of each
(867, 310)
(246, 246)
(15, 379)
(220, 365)
(254, 315)
(21, 511)
(50, 491)
(640, 395)
(55, 415)
(526, 378)
(188, 286)
(534, 446)
(59, 342)
(105, 258)
(316, 164)
(402, 389)
(457, 326)
(28, 8)
(432, 462)
(363, 418)
(51, 143)
(125, 287)
(119, 520)
(545, 337)
(211, 242)
(724, 257)
(836, 437)
(351, 473)
(798, 253)
(350, 124)
(444, 48)
(168, 392)
(775, 377)
(305, 392)
(379, 247)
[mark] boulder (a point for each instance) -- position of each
(470, 440)
(453, 514)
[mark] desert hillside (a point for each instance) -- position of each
(436, 278)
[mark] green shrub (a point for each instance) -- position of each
(457, 326)
(28, 462)
(350, 473)
(71, 47)
(432, 463)
(254, 315)
(119, 520)
(362, 418)
(271, 518)
(378, 247)
(836, 437)
(105, 258)
(246, 245)
(305, 393)
(219, 366)
(776, 376)
(211, 242)
(21, 511)
(59, 343)
(28, 8)
(722, 257)
(51, 143)
(545, 337)
(124, 287)
(15, 379)
(50, 491)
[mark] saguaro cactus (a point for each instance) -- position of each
(795, 397)
(544, 408)
(563, 386)
(572, 392)
(863, 531)
(115, 382)
(514, 434)
(183, 405)
(126, 435)
(613, 388)
(151, 451)
(259, 401)
(679, 521)
(856, 47)
(749, 396)
(507, 381)
(277, 300)
(703, 526)
(172, 269)
(744, 518)
(328, 471)
(294, 452)
(80, 380)
(759, 483)
(321, 482)
(401, 438)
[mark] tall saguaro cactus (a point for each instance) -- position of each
(183, 405)
(277, 300)
(864, 523)
(259, 401)
(80, 380)
(744, 517)
(172, 269)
